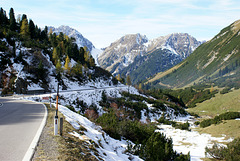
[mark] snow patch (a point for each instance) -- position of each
(109, 148)
(95, 54)
(190, 141)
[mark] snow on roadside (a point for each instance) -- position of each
(190, 141)
(109, 148)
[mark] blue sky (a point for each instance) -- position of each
(104, 21)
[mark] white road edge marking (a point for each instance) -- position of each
(29, 154)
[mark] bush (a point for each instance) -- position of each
(174, 124)
(218, 119)
(229, 153)
(131, 130)
(184, 126)
(157, 148)
(225, 90)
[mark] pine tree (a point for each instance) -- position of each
(92, 62)
(86, 56)
(66, 66)
(13, 25)
(3, 17)
(59, 67)
(55, 56)
(129, 83)
(31, 29)
(77, 69)
(24, 30)
(81, 54)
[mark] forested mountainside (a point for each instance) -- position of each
(35, 59)
(216, 61)
(130, 53)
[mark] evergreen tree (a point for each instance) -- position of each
(23, 17)
(3, 18)
(81, 54)
(32, 29)
(53, 40)
(92, 62)
(86, 55)
(77, 69)
(44, 34)
(55, 56)
(59, 66)
(13, 25)
(158, 148)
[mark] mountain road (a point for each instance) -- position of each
(20, 121)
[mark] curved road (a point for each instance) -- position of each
(19, 122)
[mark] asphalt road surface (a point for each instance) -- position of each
(19, 123)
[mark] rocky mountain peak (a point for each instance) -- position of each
(123, 52)
(183, 43)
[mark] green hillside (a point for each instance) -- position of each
(217, 105)
(216, 61)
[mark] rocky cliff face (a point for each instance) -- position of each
(123, 52)
(181, 44)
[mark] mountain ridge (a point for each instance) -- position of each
(214, 61)
(133, 49)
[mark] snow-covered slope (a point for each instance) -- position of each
(108, 148)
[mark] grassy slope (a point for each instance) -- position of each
(205, 60)
(218, 105)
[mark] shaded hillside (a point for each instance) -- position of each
(150, 64)
(216, 61)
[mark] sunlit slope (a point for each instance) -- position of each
(217, 58)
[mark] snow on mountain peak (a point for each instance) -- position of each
(123, 52)
(81, 41)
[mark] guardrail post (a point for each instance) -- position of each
(61, 126)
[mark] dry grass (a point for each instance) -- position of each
(219, 104)
(65, 147)
(230, 128)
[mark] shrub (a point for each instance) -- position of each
(218, 119)
(229, 153)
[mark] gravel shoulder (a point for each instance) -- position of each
(48, 146)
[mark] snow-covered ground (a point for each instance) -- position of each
(190, 141)
(109, 149)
